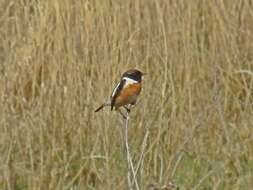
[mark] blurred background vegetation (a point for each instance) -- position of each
(60, 59)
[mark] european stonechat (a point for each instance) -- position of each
(126, 91)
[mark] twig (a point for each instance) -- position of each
(143, 147)
(130, 167)
(203, 179)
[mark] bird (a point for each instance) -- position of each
(126, 91)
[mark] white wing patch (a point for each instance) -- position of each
(128, 81)
(115, 89)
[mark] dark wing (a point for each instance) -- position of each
(116, 92)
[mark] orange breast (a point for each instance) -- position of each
(128, 95)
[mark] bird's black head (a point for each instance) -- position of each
(133, 74)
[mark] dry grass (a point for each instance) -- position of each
(60, 60)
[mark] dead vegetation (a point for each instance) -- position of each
(61, 59)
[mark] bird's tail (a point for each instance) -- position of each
(102, 106)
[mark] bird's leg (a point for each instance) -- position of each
(121, 113)
(127, 109)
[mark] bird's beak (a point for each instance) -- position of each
(143, 75)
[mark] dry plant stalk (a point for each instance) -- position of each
(131, 170)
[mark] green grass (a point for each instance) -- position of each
(61, 59)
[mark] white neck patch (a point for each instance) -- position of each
(130, 81)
